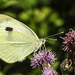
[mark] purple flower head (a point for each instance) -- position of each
(69, 41)
(42, 58)
(47, 72)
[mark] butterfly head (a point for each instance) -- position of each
(43, 40)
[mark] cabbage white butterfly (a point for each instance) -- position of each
(17, 40)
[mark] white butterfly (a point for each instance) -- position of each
(17, 40)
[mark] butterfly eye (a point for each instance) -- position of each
(9, 29)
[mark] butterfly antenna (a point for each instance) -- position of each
(53, 35)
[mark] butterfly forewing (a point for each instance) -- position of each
(6, 21)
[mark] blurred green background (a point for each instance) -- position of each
(45, 17)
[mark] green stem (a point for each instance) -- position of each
(65, 73)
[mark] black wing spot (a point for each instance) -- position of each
(9, 29)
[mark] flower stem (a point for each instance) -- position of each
(74, 67)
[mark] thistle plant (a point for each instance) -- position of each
(69, 47)
(44, 59)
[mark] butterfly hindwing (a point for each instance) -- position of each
(15, 46)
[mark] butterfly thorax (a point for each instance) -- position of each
(40, 42)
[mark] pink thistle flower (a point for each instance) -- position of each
(43, 57)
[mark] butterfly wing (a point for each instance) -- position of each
(6, 21)
(15, 46)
